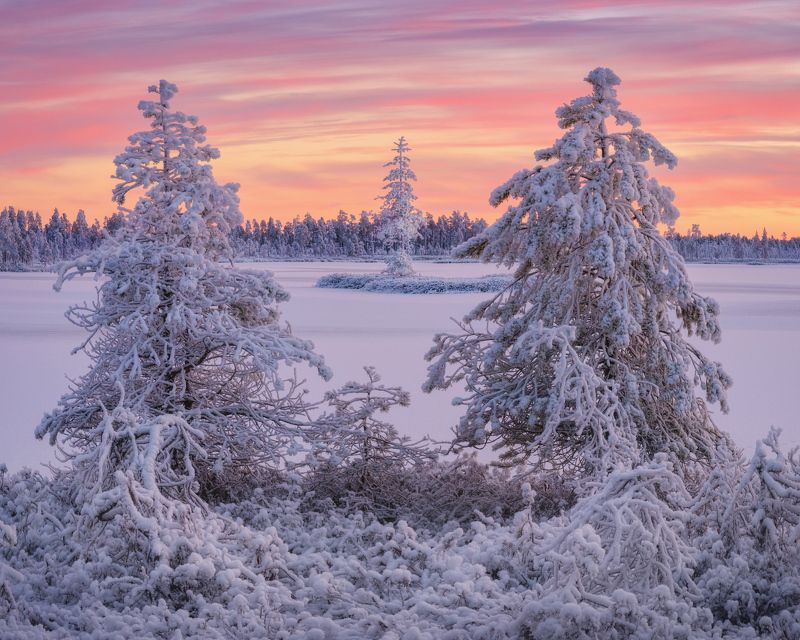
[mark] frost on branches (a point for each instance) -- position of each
(355, 455)
(581, 363)
(400, 220)
(619, 565)
(187, 388)
(746, 521)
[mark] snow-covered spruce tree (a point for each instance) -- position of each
(581, 362)
(353, 434)
(187, 382)
(357, 456)
(400, 220)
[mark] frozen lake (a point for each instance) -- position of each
(760, 346)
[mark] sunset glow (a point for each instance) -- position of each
(304, 99)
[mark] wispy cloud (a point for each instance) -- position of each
(304, 98)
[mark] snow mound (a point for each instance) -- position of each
(380, 283)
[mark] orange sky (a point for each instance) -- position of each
(304, 99)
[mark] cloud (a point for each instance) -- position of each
(316, 91)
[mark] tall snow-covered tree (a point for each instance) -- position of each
(188, 380)
(582, 361)
(400, 220)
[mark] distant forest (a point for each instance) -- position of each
(26, 242)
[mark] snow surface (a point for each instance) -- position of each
(760, 346)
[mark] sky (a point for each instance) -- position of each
(304, 99)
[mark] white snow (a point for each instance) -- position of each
(760, 345)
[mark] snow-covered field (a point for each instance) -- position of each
(760, 347)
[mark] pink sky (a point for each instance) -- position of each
(304, 99)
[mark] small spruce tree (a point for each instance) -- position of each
(352, 436)
(187, 385)
(359, 459)
(581, 362)
(400, 220)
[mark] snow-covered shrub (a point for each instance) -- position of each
(776, 475)
(141, 469)
(432, 494)
(382, 283)
(8, 538)
(638, 518)
(618, 615)
(464, 488)
(345, 280)
(361, 462)
(357, 457)
(618, 564)
(399, 264)
(747, 540)
(399, 219)
(177, 332)
(582, 359)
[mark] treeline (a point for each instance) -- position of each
(27, 242)
(347, 236)
(728, 247)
